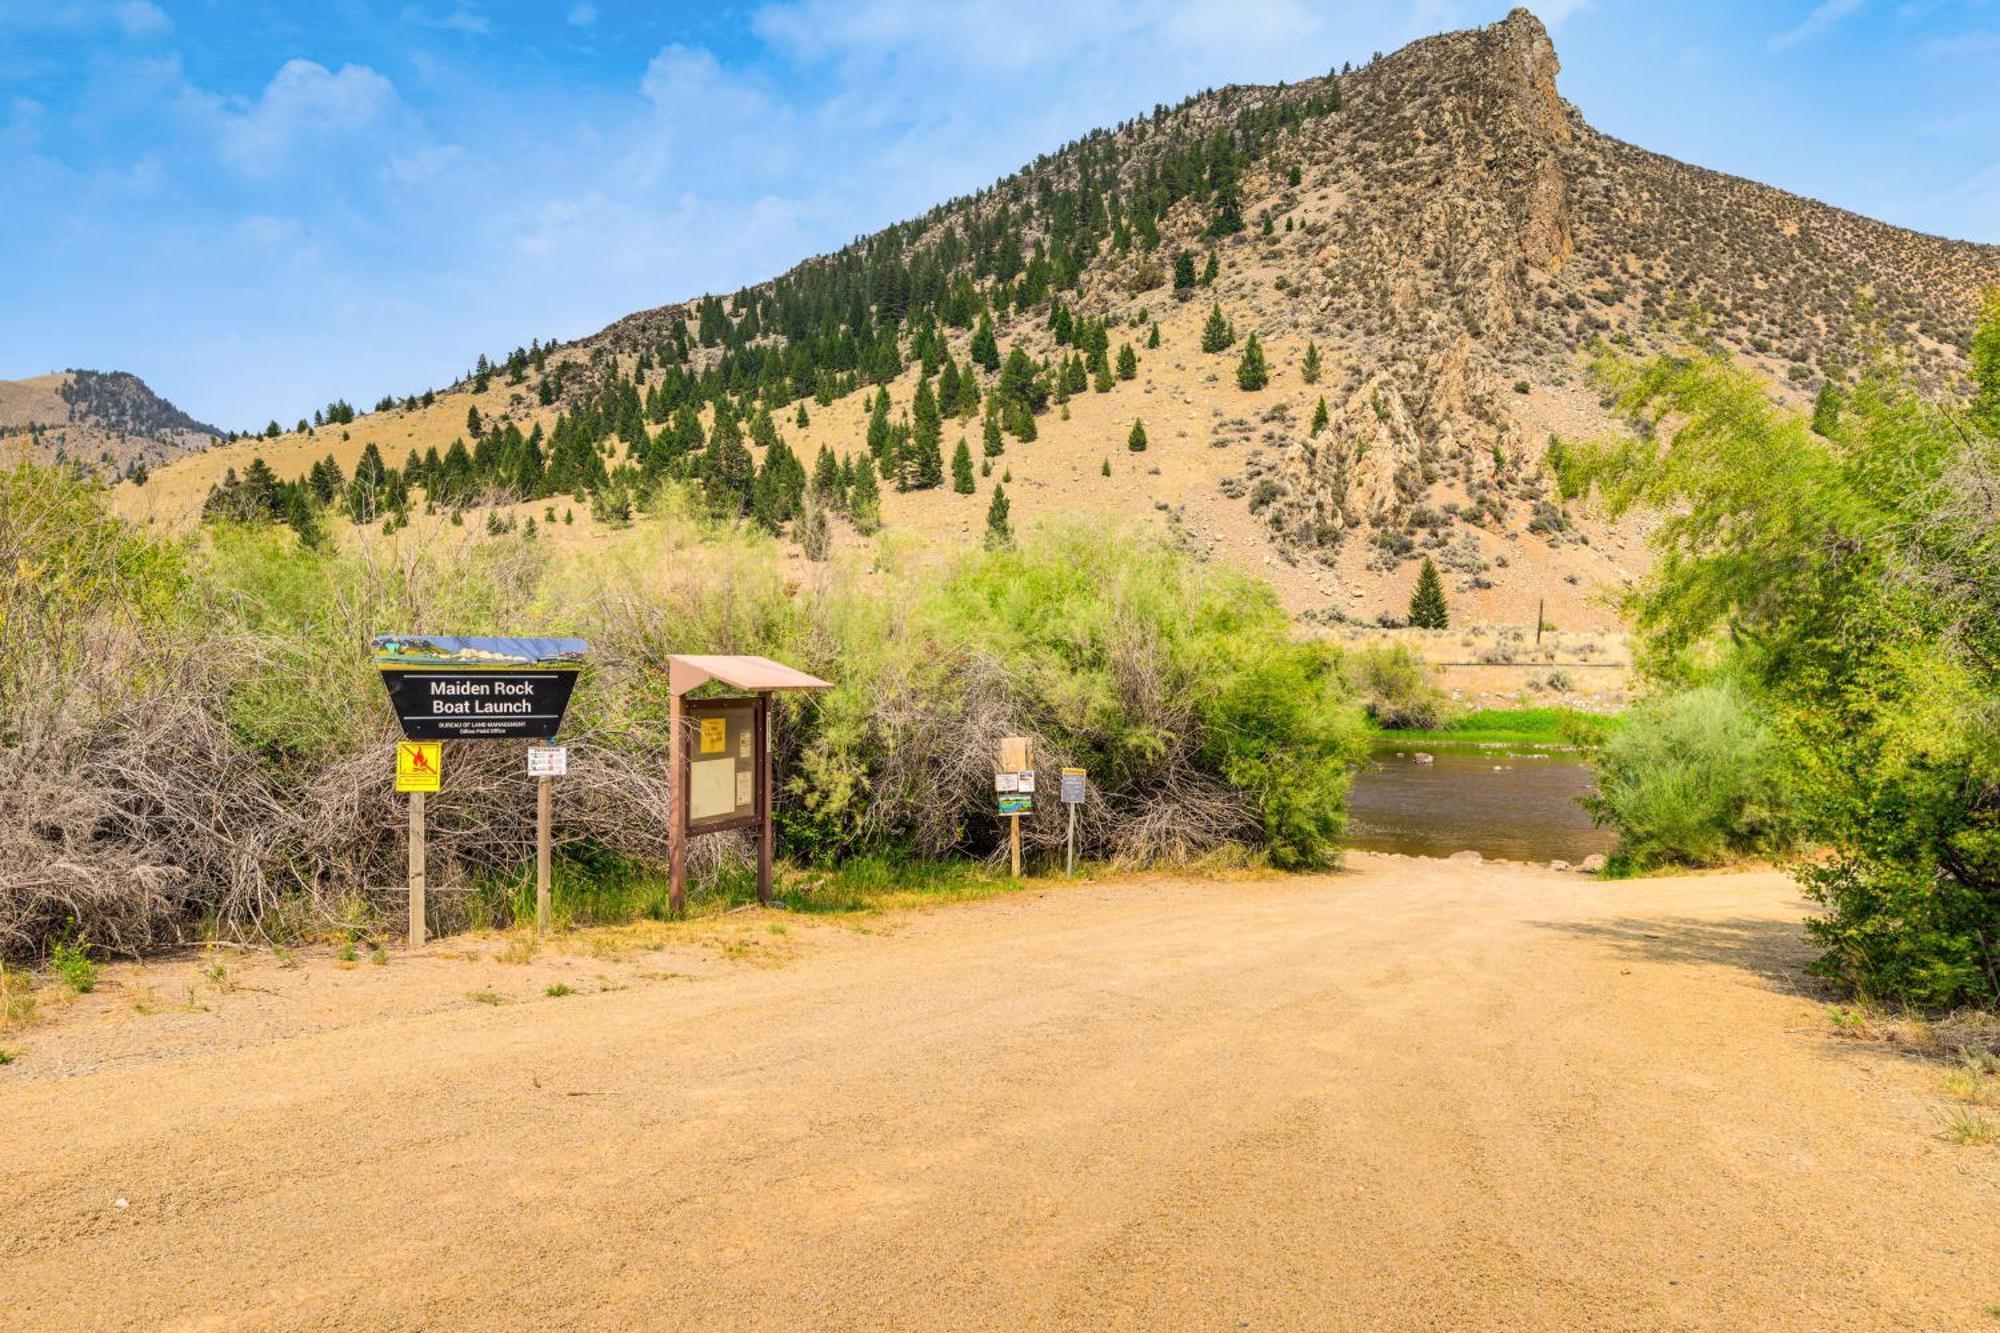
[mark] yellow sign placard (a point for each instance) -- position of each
(714, 735)
(419, 765)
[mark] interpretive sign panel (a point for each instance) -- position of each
(449, 688)
(722, 764)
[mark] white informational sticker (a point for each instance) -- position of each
(1026, 781)
(743, 789)
(548, 761)
(1006, 782)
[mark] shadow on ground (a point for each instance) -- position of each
(1774, 951)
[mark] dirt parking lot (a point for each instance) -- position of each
(1415, 1095)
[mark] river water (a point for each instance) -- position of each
(1503, 802)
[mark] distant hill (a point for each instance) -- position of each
(106, 420)
(1439, 226)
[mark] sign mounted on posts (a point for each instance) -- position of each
(419, 765)
(1073, 784)
(449, 688)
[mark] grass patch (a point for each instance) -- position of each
(7, 1057)
(486, 997)
(875, 884)
(17, 996)
(1971, 1129)
(1546, 727)
(557, 991)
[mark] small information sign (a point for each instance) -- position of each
(1016, 803)
(419, 765)
(548, 761)
(1073, 785)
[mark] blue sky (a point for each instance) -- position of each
(260, 207)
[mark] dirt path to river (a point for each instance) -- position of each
(1416, 1095)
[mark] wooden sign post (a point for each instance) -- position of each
(419, 771)
(544, 763)
(1014, 792)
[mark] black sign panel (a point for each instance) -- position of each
(480, 705)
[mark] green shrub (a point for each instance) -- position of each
(1395, 686)
(71, 961)
(1692, 778)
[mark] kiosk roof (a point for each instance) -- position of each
(756, 674)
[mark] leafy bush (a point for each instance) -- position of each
(1693, 778)
(1864, 620)
(1396, 688)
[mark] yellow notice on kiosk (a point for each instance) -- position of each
(714, 735)
(419, 765)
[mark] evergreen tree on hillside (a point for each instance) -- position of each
(1216, 334)
(1153, 338)
(1184, 274)
(1427, 608)
(985, 347)
(864, 503)
(1136, 441)
(1320, 417)
(961, 468)
(992, 444)
(1210, 271)
(1252, 372)
(878, 425)
(999, 532)
(1128, 362)
(926, 422)
(1310, 368)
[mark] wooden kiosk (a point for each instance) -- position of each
(719, 759)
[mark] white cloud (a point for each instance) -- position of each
(1826, 15)
(583, 14)
(304, 99)
(463, 18)
(422, 166)
(143, 18)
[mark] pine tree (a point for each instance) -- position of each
(1320, 417)
(1210, 271)
(1153, 338)
(1309, 371)
(878, 425)
(1251, 372)
(1427, 608)
(961, 468)
(864, 502)
(1128, 362)
(1136, 441)
(926, 422)
(1184, 274)
(1103, 381)
(999, 532)
(1104, 469)
(1216, 335)
(992, 442)
(801, 419)
(985, 347)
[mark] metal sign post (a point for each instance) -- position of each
(416, 870)
(1073, 785)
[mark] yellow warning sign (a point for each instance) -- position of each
(714, 735)
(419, 765)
